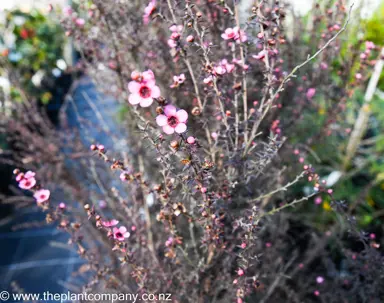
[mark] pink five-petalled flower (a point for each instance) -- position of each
(120, 233)
(27, 183)
(143, 91)
(173, 120)
(177, 80)
(42, 195)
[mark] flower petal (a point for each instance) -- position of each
(134, 87)
(123, 229)
(180, 128)
(168, 129)
(155, 92)
(161, 120)
(146, 102)
(182, 115)
(134, 99)
(170, 110)
(148, 75)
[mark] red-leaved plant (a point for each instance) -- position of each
(213, 99)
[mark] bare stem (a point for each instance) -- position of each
(284, 188)
(244, 84)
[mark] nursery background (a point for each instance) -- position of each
(212, 151)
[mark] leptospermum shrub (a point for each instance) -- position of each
(206, 186)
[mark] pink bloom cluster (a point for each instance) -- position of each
(235, 34)
(175, 36)
(143, 88)
(120, 233)
(173, 120)
(148, 11)
(27, 180)
(368, 47)
(224, 67)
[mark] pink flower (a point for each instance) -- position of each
(323, 66)
(67, 10)
(319, 279)
(124, 176)
(172, 43)
(176, 28)
(369, 45)
(208, 80)
(191, 140)
(228, 66)
(230, 33)
(260, 55)
(148, 11)
(27, 183)
(29, 174)
(169, 242)
(240, 272)
(177, 80)
(80, 22)
(120, 233)
(311, 93)
(180, 78)
(42, 195)
(234, 34)
(111, 223)
(316, 293)
(19, 177)
(220, 70)
(173, 120)
(318, 200)
(240, 63)
(143, 92)
(62, 205)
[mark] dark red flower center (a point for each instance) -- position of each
(145, 92)
(172, 121)
(119, 235)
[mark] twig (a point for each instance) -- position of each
(292, 204)
(284, 188)
(292, 74)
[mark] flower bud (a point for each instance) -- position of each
(196, 111)
(175, 144)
